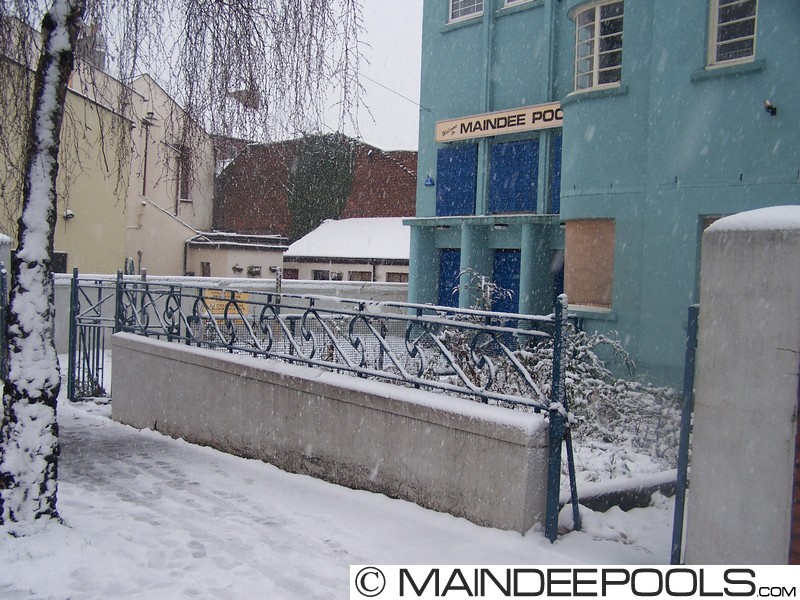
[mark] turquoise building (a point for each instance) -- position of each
(585, 145)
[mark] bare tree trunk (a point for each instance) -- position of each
(29, 434)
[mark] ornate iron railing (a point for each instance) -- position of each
(461, 352)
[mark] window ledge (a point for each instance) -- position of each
(519, 7)
(463, 22)
(596, 313)
(712, 72)
(594, 94)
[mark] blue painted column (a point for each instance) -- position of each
(536, 278)
(475, 255)
(527, 273)
(423, 267)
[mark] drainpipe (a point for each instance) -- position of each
(486, 104)
(545, 183)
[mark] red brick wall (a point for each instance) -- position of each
(383, 184)
(252, 195)
(794, 545)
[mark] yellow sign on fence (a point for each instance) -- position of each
(217, 300)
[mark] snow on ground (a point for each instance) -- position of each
(146, 516)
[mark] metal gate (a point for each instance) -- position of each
(3, 314)
(92, 319)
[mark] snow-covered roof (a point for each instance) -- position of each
(233, 240)
(782, 218)
(379, 238)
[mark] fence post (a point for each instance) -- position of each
(557, 419)
(3, 324)
(74, 310)
(687, 408)
(118, 304)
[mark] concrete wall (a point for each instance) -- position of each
(91, 181)
(746, 402)
(378, 271)
(158, 222)
(223, 261)
(483, 463)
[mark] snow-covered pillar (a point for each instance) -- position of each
(746, 391)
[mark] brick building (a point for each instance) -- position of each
(254, 192)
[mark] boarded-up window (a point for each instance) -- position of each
(513, 171)
(457, 171)
(589, 262)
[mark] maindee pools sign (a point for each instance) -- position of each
(517, 120)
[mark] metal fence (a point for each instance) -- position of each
(4, 315)
(687, 410)
(483, 356)
(92, 320)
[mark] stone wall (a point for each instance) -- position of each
(483, 463)
(744, 466)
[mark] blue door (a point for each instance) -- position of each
(449, 268)
(506, 277)
(456, 174)
(513, 172)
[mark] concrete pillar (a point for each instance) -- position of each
(746, 390)
(535, 278)
(423, 266)
(475, 255)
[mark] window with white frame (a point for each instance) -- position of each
(733, 31)
(598, 45)
(460, 9)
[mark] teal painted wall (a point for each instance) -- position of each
(675, 142)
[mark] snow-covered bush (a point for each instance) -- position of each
(605, 409)
(622, 416)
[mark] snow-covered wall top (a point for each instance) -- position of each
(780, 218)
(384, 237)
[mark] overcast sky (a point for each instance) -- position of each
(393, 36)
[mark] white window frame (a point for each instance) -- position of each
(595, 53)
(455, 5)
(713, 43)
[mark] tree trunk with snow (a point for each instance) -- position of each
(29, 434)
